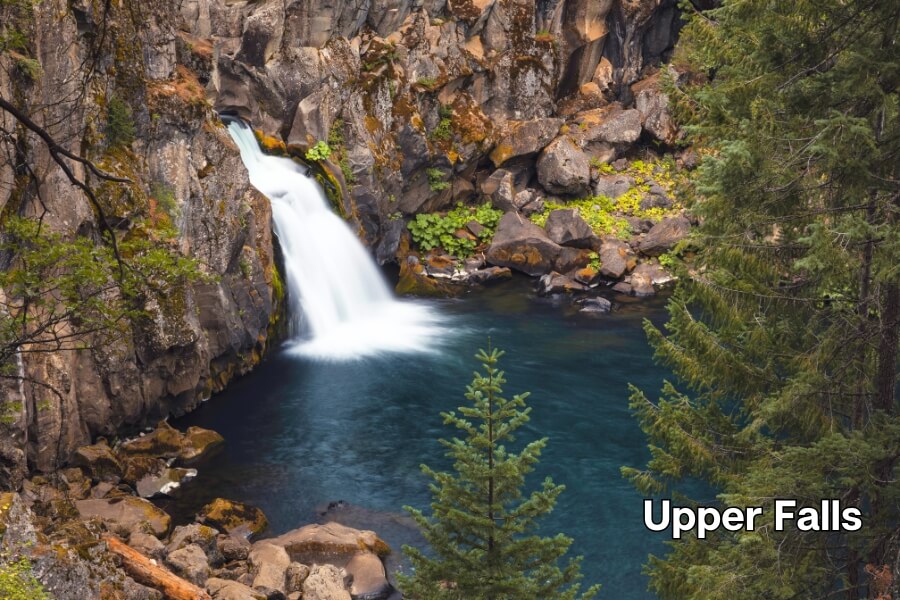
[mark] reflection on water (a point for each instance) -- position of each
(300, 433)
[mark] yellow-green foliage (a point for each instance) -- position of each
(606, 216)
(17, 581)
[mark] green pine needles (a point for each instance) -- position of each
(481, 530)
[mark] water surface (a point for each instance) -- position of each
(301, 433)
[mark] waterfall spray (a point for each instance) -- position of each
(340, 305)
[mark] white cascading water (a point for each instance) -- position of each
(339, 304)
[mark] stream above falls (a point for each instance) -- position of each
(301, 432)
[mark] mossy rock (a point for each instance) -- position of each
(165, 442)
(234, 517)
(199, 442)
(414, 282)
(99, 461)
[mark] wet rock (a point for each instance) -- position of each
(566, 227)
(123, 515)
(164, 483)
(270, 563)
(316, 543)
(199, 442)
(190, 563)
(563, 168)
(99, 461)
(623, 288)
(521, 245)
(163, 442)
(523, 138)
(224, 589)
(596, 305)
(490, 274)
(664, 235)
(556, 283)
(414, 281)
(586, 275)
(369, 578)
(233, 517)
(647, 277)
(325, 582)
(294, 577)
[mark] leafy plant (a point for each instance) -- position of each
(436, 180)
(320, 151)
(427, 82)
(30, 67)
(444, 129)
(336, 134)
(347, 170)
(448, 231)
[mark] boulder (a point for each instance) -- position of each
(500, 188)
(523, 138)
(325, 582)
(190, 563)
(586, 275)
(653, 105)
(664, 235)
(233, 547)
(556, 283)
(613, 186)
(415, 281)
(490, 274)
(163, 442)
(566, 227)
(294, 577)
(99, 461)
(234, 517)
(612, 125)
(563, 168)
(164, 483)
(198, 535)
(369, 578)
(123, 515)
(570, 259)
(320, 542)
(623, 288)
(270, 563)
(595, 306)
(615, 256)
(521, 245)
(528, 202)
(225, 589)
(147, 544)
(199, 442)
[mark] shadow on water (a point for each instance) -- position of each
(301, 434)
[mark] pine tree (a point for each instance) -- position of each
(481, 530)
(784, 327)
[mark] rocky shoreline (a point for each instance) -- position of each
(90, 530)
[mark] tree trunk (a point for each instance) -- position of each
(145, 571)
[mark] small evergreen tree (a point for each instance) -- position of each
(481, 529)
(119, 124)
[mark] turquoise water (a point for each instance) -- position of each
(300, 434)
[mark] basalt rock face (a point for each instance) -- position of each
(462, 86)
(185, 173)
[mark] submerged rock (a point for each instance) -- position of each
(556, 283)
(596, 305)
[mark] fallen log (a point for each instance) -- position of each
(146, 572)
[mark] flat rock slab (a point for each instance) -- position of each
(323, 543)
(122, 515)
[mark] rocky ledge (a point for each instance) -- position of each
(89, 531)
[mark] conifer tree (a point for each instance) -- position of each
(482, 527)
(783, 330)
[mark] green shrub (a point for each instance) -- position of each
(427, 82)
(320, 151)
(119, 123)
(349, 177)
(436, 230)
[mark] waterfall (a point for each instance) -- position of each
(339, 304)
